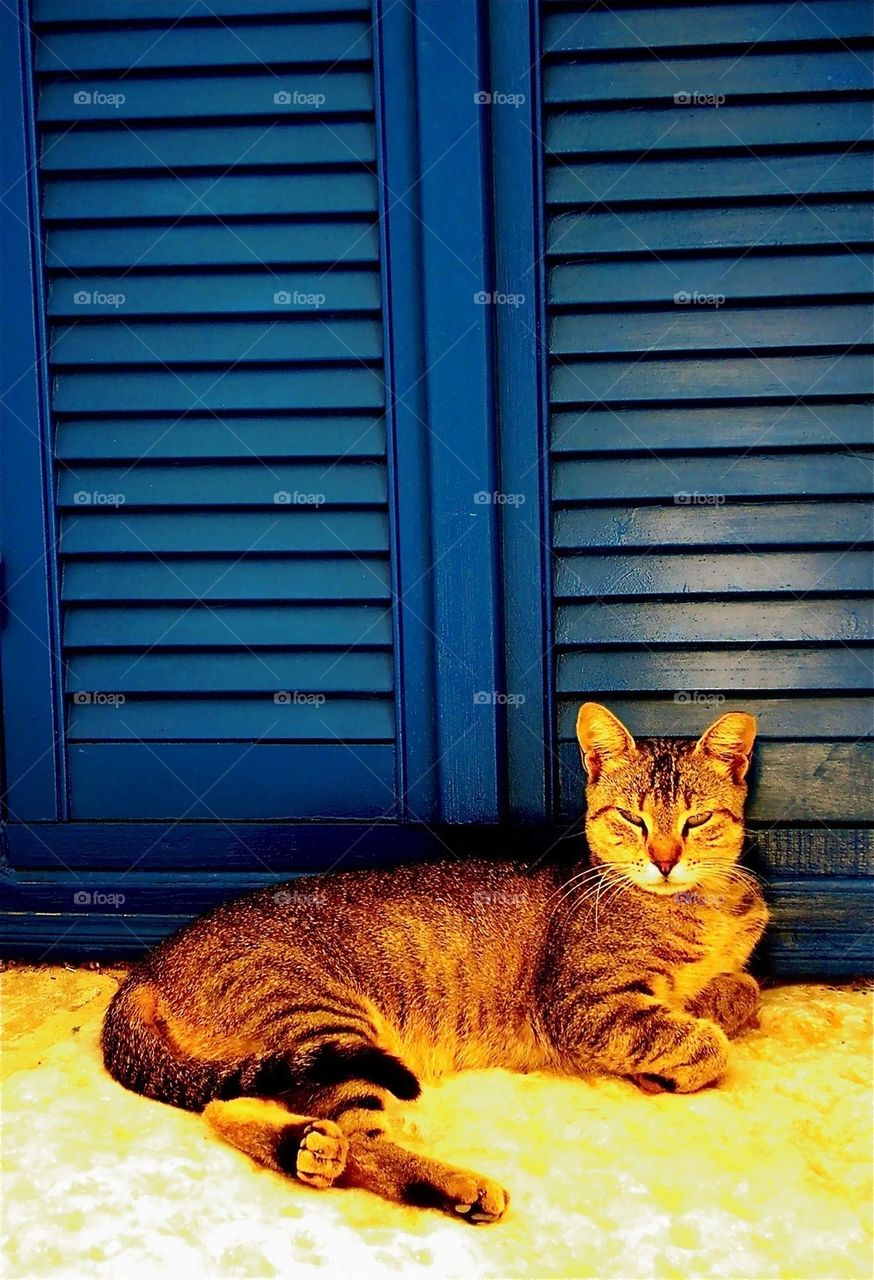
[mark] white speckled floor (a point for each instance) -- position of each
(768, 1175)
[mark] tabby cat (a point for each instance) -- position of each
(297, 1017)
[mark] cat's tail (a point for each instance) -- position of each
(142, 1051)
(149, 1049)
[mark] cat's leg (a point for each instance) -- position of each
(631, 1033)
(375, 1163)
(395, 1173)
(342, 1139)
(731, 1000)
(310, 1148)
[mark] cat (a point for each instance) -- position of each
(295, 1018)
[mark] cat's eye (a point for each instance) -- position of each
(632, 818)
(696, 820)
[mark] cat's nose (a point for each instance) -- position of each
(664, 852)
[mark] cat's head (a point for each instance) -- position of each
(667, 812)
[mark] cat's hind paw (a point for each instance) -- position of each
(469, 1196)
(321, 1155)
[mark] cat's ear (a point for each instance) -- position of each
(729, 741)
(603, 739)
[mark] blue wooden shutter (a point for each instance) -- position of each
(209, 203)
(709, 326)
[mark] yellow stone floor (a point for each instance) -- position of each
(768, 1175)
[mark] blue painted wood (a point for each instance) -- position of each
(236, 343)
(361, 671)
(70, 200)
(742, 672)
(269, 391)
(741, 327)
(300, 717)
(410, 496)
(222, 781)
(219, 581)
(521, 406)
(200, 649)
(594, 381)
(600, 284)
(181, 148)
(345, 38)
(200, 437)
(211, 96)
(450, 49)
(587, 133)
(795, 716)
(730, 475)
(702, 226)
(31, 684)
(250, 483)
(714, 622)
(248, 293)
(204, 627)
(753, 428)
(58, 12)
(88, 530)
(837, 70)
(744, 177)
(573, 26)
(711, 525)
(713, 574)
(352, 241)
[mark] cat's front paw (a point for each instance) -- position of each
(731, 1000)
(701, 1060)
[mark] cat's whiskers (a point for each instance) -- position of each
(580, 893)
(620, 881)
(621, 884)
(569, 888)
(715, 869)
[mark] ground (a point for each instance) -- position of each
(767, 1175)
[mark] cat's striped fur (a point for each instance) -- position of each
(298, 1016)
